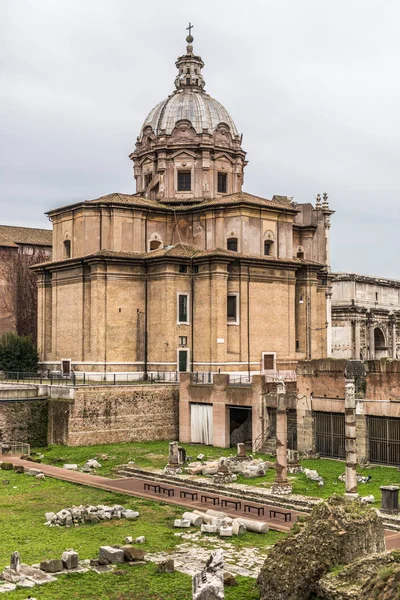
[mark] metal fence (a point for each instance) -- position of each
(206, 377)
(384, 440)
(80, 378)
(329, 434)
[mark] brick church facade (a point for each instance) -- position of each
(190, 273)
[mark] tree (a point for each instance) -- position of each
(18, 353)
(20, 288)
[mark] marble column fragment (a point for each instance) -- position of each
(173, 456)
(350, 439)
(281, 435)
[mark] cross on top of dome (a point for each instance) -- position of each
(189, 67)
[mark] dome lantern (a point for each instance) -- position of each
(189, 68)
(189, 148)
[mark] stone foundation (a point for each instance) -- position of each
(113, 414)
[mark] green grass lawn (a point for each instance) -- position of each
(330, 471)
(155, 455)
(23, 503)
(131, 583)
(145, 454)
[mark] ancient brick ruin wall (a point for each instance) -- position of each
(104, 415)
(24, 421)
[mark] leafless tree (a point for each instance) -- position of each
(19, 287)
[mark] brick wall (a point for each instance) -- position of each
(104, 415)
(24, 421)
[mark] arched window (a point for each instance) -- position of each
(155, 245)
(232, 244)
(268, 247)
(67, 248)
(300, 254)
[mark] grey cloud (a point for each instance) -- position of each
(312, 85)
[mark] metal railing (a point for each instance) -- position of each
(239, 379)
(202, 377)
(76, 378)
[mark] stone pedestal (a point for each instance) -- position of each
(241, 452)
(390, 499)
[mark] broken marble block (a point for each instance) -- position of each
(238, 528)
(70, 467)
(54, 565)
(140, 540)
(130, 514)
(182, 523)
(368, 499)
(226, 532)
(93, 464)
(111, 556)
(209, 584)
(193, 518)
(166, 566)
(209, 528)
(70, 559)
(128, 539)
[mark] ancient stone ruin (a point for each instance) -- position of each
(209, 584)
(337, 532)
(88, 514)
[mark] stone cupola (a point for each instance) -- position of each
(189, 149)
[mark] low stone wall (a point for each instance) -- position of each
(24, 420)
(112, 414)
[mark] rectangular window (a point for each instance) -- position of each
(183, 340)
(232, 309)
(184, 181)
(183, 268)
(67, 248)
(183, 304)
(222, 178)
(195, 268)
(268, 360)
(232, 244)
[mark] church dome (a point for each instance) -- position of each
(203, 112)
(189, 101)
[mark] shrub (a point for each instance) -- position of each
(17, 353)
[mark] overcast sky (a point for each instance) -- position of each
(313, 85)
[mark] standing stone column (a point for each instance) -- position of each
(371, 353)
(357, 349)
(394, 340)
(350, 439)
(281, 485)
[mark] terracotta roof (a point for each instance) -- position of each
(171, 204)
(15, 236)
(238, 198)
(126, 199)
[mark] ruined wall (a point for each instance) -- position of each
(106, 415)
(24, 421)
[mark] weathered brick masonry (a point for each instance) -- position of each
(101, 415)
(24, 421)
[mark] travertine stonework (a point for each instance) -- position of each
(365, 317)
(109, 300)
